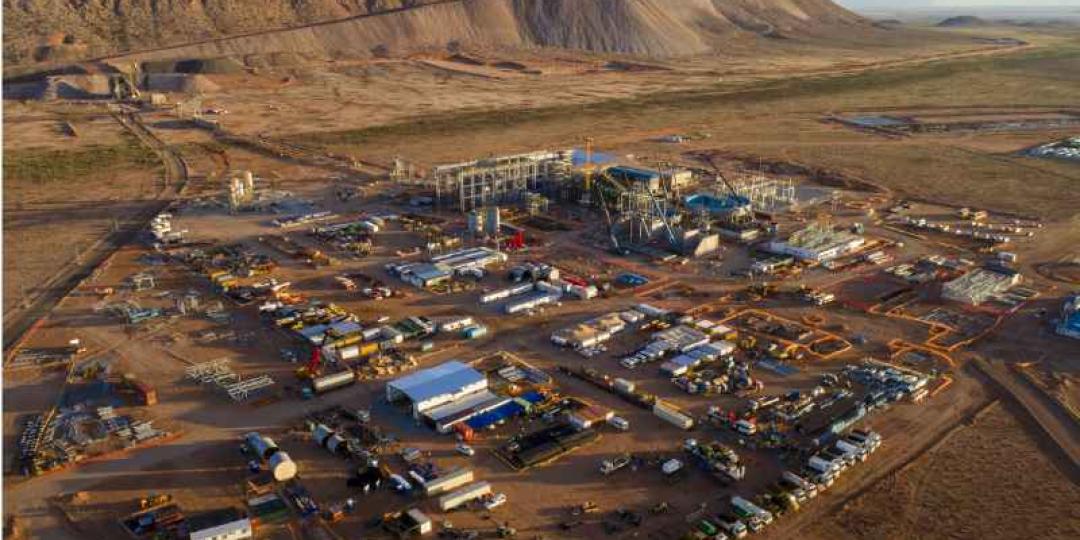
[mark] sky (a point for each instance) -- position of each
(916, 4)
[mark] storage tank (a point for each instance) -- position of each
(333, 381)
(321, 434)
(263, 447)
(282, 466)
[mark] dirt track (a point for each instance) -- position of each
(1057, 424)
(20, 319)
(904, 443)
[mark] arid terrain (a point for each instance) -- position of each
(321, 99)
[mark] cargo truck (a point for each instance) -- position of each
(747, 509)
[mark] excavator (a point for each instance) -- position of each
(124, 85)
(314, 366)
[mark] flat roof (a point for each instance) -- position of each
(444, 378)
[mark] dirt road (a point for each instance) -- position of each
(20, 319)
(1057, 423)
(905, 440)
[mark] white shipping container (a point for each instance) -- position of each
(463, 495)
(448, 481)
(673, 417)
(348, 353)
(333, 381)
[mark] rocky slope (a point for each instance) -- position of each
(69, 29)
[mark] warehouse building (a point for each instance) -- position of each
(429, 388)
(818, 243)
(225, 524)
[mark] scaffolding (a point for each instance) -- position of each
(403, 172)
(500, 180)
(766, 194)
(641, 214)
(241, 390)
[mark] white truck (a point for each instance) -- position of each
(859, 452)
(794, 480)
(748, 509)
(609, 466)
(824, 471)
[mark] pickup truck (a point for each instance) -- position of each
(609, 466)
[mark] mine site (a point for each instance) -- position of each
(540, 269)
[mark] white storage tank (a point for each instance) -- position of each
(282, 466)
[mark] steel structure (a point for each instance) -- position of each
(241, 390)
(503, 179)
(764, 193)
(641, 213)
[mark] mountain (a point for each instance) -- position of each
(67, 30)
(962, 21)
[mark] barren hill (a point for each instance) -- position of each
(961, 21)
(69, 30)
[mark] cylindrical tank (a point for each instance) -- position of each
(263, 447)
(321, 434)
(282, 467)
(335, 443)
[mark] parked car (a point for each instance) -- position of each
(619, 423)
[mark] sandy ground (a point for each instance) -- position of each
(987, 480)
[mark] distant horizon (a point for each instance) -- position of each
(958, 4)
(1011, 9)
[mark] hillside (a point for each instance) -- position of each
(61, 30)
(962, 21)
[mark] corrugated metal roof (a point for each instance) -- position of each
(444, 378)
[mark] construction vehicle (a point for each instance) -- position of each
(587, 507)
(314, 366)
(153, 500)
(124, 85)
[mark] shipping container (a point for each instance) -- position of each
(673, 416)
(624, 386)
(463, 495)
(448, 481)
(333, 381)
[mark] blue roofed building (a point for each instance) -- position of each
(1069, 326)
